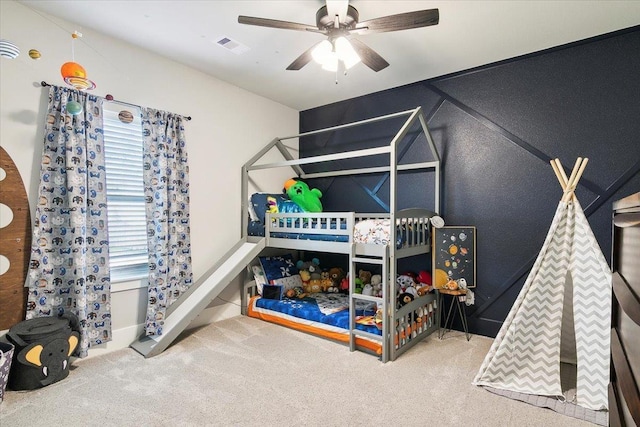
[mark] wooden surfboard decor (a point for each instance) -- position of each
(15, 243)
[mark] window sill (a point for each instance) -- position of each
(129, 285)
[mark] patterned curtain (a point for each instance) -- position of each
(69, 267)
(166, 178)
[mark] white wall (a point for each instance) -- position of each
(228, 126)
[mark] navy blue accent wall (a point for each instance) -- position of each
(496, 128)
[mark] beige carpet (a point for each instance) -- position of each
(246, 372)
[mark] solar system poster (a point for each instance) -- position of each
(454, 252)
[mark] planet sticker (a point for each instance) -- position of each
(125, 116)
(463, 236)
(453, 249)
(464, 251)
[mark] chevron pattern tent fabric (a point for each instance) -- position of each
(525, 356)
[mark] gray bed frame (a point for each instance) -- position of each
(401, 328)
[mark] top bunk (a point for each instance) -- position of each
(339, 231)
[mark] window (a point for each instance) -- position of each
(125, 192)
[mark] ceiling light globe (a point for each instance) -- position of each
(322, 51)
(331, 62)
(346, 53)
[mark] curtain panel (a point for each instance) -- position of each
(166, 177)
(69, 265)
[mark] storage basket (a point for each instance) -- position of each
(42, 349)
(6, 356)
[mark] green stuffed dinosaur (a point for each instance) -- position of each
(307, 198)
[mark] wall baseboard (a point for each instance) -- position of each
(123, 337)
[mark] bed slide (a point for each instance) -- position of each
(199, 296)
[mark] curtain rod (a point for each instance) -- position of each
(45, 84)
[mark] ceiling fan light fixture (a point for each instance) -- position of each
(331, 62)
(322, 52)
(346, 53)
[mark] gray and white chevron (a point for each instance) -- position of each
(525, 356)
(592, 314)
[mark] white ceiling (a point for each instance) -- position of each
(470, 34)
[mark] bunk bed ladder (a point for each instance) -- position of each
(383, 305)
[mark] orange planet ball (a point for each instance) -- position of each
(441, 278)
(72, 69)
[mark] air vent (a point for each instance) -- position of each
(232, 45)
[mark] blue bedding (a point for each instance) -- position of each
(308, 308)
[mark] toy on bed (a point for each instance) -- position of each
(313, 267)
(308, 199)
(424, 283)
(337, 275)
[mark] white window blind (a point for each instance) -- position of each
(125, 193)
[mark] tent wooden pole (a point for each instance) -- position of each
(570, 184)
(576, 174)
(561, 180)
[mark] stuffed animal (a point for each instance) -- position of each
(365, 276)
(336, 274)
(404, 298)
(296, 292)
(451, 284)
(376, 283)
(367, 289)
(307, 198)
(424, 278)
(305, 276)
(358, 286)
(403, 282)
(344, 285)
(313, 267)
(423, 290)
(314, 286)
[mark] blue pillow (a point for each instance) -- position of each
(277, 267)
(260, 204)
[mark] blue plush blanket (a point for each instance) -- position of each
(330, 309)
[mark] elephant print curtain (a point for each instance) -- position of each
(166, 181)
(69, 266)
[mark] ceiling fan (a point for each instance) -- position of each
(338, 20)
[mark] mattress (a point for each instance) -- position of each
(307, 315)
(368, 231)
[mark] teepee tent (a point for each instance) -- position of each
(562, 316)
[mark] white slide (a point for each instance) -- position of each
(199, 296)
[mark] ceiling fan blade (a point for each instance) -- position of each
(303, 59)
(401, 21)
(274, 23)
(337, 7)
(368, 56)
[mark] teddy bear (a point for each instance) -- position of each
(376, 283)
(404, 298)
(364, 276)
(336, 274)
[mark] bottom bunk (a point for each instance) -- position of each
(327, 316)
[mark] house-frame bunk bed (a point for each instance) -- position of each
(401, 327)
